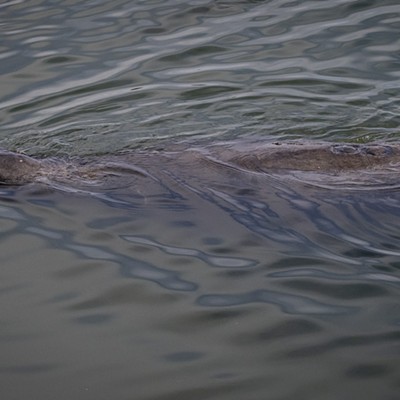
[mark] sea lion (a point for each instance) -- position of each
(330, 158)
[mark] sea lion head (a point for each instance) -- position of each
(17, 169)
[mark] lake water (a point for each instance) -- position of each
(198, 282)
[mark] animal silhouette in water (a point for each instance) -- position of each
(19, 169)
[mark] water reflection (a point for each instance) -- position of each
(216, 261)
(289, 303)
(233, 289)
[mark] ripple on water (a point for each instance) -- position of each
(86, 79)
(218, 286)
(226, 286)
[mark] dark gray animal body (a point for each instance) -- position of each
(17, 169)
(322, 158)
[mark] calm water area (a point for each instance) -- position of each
(198, 281)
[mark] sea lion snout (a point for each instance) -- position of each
(16, 168)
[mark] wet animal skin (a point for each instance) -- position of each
(19, 169)
(317, 157)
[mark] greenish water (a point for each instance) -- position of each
(197, 281)
(95, 76)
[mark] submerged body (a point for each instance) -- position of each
(320, 158)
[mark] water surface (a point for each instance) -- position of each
(229, 291)
(212, 283)
(83, 77)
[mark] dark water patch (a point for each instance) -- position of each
(344, 342)
(281, 332)
(94, 319)
(342, 291)
(59, 60)
(206, 92)
(367, 371)
(197, 51)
